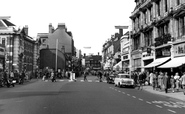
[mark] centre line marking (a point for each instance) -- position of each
(158, 106)
(119, 91)
(123, 92)
(128, 94)
(140, 99)
(133, 96)
(148, 102)
(171, 111)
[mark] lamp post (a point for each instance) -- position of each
(56, 54)
(63, 50)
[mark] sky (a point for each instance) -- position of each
(91, 22)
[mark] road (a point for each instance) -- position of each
(89, 97)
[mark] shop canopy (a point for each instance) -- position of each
(175, 62)
(118, 65)
(157, 62)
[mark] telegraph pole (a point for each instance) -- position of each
(56, 54)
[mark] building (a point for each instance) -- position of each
(125, 52)
(93, 62)
(57, 39)
(18, 47)
(158, 30)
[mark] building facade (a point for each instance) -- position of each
(93, 62)
(18, 47)
(157, 32)
(57, 39)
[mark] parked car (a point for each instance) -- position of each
(110, 78)
(124, 80)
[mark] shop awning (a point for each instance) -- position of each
(157, 62)
(118, 65)
(175, 62)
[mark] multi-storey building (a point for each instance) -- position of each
(58, 45)
(158, 28)
(125, 52)
(18, 47)
(93, 62)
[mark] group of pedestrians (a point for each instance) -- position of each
(7, 77)
(160, 80)
(163, 80)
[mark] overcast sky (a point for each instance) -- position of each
(91, 21)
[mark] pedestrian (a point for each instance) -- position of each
(182, 79)
(160, 81)
(172, 83)
(165, 82)
(140, 81)
(85, 75)
(177, 81)
(151, 75)
(154, 81)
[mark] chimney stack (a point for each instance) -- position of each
(26, 29)
(62, 26)
(50, 28)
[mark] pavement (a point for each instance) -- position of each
(177, 95)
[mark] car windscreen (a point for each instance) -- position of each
(124, 76)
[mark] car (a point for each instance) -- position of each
(110, 79)
(124, 80)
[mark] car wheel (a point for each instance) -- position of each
(115, 85)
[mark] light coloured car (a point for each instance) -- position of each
(124, 80)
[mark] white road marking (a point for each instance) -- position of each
(89, 80)
(123, 92)
(82, 80)
(158, 106)
(140, 99)
(44, 107)
(133, 96)
(148, 102)
(61, 80)
(171, 111)
(119, 91)
(128, 94)
(19, 101)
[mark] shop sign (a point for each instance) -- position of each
(179, 49)
(136, 56)
(163, 52)
(146, 55)
(125, 57)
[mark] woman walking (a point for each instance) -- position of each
(177, 81)
(160, 80)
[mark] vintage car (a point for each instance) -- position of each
(124, 80)
(110, 78)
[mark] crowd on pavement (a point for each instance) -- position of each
(161, 80)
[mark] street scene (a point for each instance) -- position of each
(92, 57)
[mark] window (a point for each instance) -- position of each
(178, 2)
(181, 26)
(148, 38)
(166, 5)
(151, 13)
(136, 42)
(158, 7)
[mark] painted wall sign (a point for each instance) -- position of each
(179, 49)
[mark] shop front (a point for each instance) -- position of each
(177, 63)
(125, 63)
(136, 62)
(163, 55)
(147, 59)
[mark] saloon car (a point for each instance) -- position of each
(124, 80)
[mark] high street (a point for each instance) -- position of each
(89, 97)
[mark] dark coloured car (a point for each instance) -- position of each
(110, 79)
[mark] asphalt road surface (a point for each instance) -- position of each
(89, 97)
